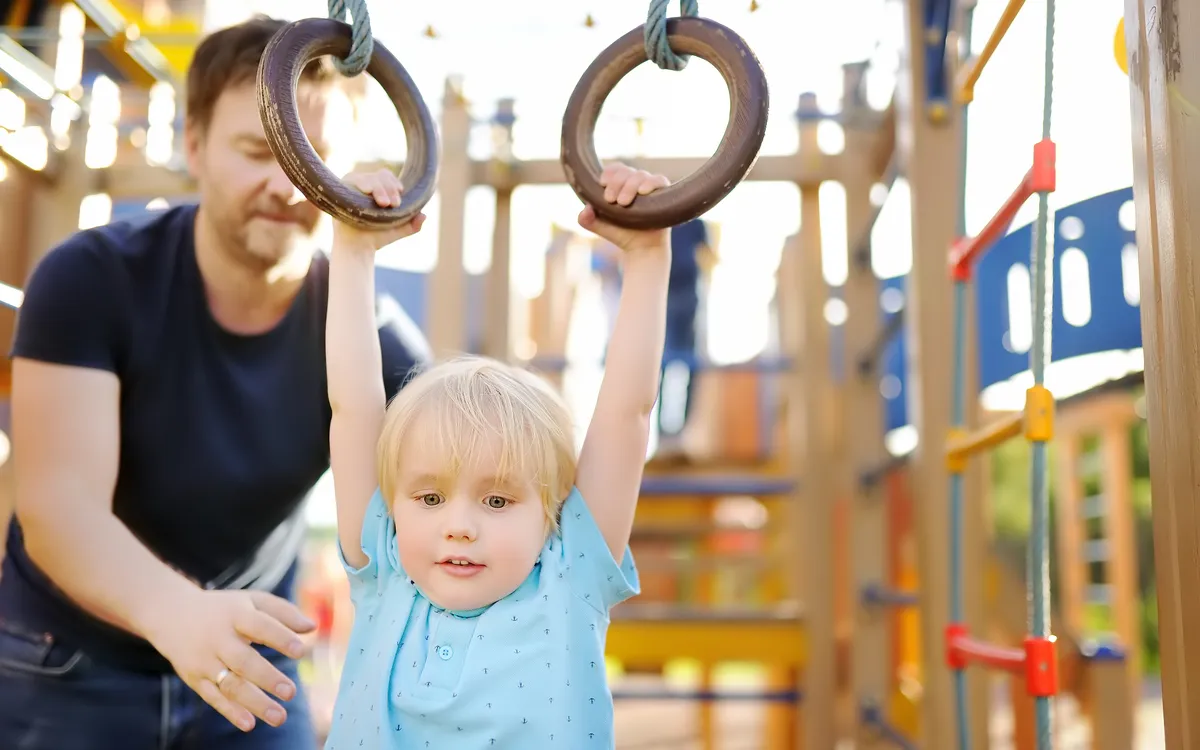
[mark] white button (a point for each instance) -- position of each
(445, 652)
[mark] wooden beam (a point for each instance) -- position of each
(1163, 42)
(930, 153)
(813, 393)
(141, 180)
(871, 677)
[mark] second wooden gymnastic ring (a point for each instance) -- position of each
(289, 51)
(696, 193)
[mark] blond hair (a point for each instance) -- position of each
(470, 400)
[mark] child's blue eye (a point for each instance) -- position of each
(431, 500)
(497, 502)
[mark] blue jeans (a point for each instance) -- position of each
(56, 697)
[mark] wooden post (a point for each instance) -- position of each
(930, 155)
(1121, 567)
(871, 660)
(817, 495)
(497, 339)
(447, 282)
(1163, 40)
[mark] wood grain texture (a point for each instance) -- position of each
(696, 193)
(285, 58)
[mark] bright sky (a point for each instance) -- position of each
(535, 50)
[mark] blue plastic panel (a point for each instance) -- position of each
(1115, 322)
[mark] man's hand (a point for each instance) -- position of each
(621, 185)
(386, 189)
(207, 638)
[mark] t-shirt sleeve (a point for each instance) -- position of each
(73, 308)
(379, 544)
(401, 343)
(595, 576)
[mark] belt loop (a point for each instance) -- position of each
(164, 722)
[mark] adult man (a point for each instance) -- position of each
(170, 417)
(691, 257)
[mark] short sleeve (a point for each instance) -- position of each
(73, 308)
(379, 545)
(402, 345)
(595, 576)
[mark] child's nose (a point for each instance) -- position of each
(460, 522)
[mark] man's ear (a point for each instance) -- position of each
(193, 145)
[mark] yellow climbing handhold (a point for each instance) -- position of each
(589, 21)
(1119, 50)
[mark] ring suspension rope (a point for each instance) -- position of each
(1036, 661)
(362, 43)
(657, 47)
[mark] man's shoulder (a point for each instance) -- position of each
(131, 243)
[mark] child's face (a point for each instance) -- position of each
(495, 531)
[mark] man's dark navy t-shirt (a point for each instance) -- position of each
(686, 240)
(222, 436)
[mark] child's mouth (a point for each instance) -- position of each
(460, 568)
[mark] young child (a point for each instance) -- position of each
(483, 557)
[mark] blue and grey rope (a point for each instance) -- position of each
(362, 43)
(958, 409)
(658, 50)
(1039, 558)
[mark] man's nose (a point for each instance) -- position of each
(279, 186)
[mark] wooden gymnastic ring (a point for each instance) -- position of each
(288, 52)
(696, 193)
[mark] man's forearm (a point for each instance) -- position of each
(103, 567)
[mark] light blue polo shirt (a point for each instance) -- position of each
(524, 673)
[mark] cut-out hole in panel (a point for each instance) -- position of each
(1076, 288)
(1020, 302)
(889, 387)
(1130, 276)
(1126, 216)
(1071, 228)
(891, 300)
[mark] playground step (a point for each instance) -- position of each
(1094, 550)
(654, 633)
(1092, 507)
(1098, 593)
(700, 485)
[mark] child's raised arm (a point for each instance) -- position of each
(353, 360)
(609, 475)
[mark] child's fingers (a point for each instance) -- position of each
(632, 187)
(652, 183)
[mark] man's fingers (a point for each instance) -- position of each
(243, 660)
(236, 714)
(250, 697)
(284, 611)
(259, 627)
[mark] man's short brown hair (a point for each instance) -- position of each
(229, 57)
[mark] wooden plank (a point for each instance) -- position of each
(931, 158)
(1070, 525)
(812, 391)
(1121, 568)
(1163, 41)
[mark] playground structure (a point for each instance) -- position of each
(795, 436)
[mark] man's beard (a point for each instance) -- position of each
(260, 245)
